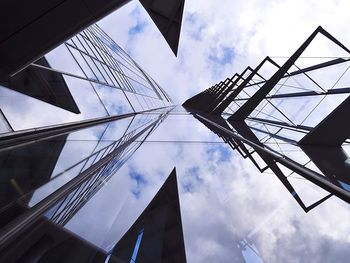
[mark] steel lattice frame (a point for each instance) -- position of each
(249, 112)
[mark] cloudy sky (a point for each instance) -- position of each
(225, 200)
(219, 39)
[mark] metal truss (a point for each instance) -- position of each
(252, 112)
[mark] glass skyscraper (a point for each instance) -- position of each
(69, 121)
(99, 164)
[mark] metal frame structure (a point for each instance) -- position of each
(251, 112)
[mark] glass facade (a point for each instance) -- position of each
(69, 122)
(100, 79)
(89, 142)
(230, 212)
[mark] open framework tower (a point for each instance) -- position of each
(291, 119)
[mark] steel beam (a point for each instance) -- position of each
(308, 174)
(244, 111)
(241, 87)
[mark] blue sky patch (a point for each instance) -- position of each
(197, 34)
(191, 179)
(196, 27)
(191, 18)
(222, 55)
(138, 28)
(140, 183)
(140, 25)
(222, 152)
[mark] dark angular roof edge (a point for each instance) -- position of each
(167, 15)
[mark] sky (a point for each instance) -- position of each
(224, 199)
(217, 40)
(220, 39)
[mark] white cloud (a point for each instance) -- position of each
(254, 29)
(228, 200)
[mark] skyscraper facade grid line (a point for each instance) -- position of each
(99, 164)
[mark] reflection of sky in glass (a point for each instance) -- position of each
(136, 248)
(229, 209)
(231, 212)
